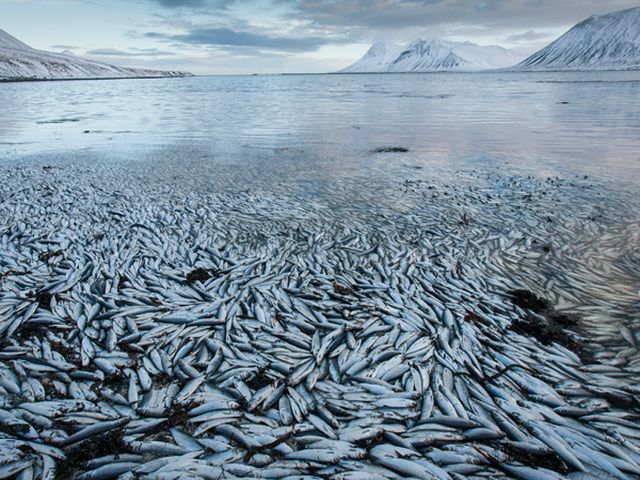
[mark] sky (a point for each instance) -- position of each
(278, 36)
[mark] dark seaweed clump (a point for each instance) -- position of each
(548, 325)
(116, 382)
(550, 460)
(108, 443)
(30, 330)
(341, 290)
(259, 380)
(46, 256)
(390, 150)
(199, 275)
(528, 300)
(42, 297)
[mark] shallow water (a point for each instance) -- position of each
(541, 123)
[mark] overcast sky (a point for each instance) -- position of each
(272, 36)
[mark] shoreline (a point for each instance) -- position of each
(22, 80)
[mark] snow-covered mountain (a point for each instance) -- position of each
(18, 61)
(377, 59)
(7, 41)
(600, 42)
(433, 56)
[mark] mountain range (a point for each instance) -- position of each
(18, 61)
(432, 55)
(601, 42)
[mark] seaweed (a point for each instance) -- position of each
(548, 326)
(620, 401)
(71, 355)
(369, 442)
(341, 290)
(46, 256)
(564, 319)
(528, 300)
(42, 297)
(116, 382)
(259, 380)
(544, 332)
(58, 120)
(14, 273)
(108, 443)
(390, 150)
(163, 380)
(269, 446)
(550, 460)
(50, 390)
(30, 330)
(199, 275)
(474, 318)
(178, 415)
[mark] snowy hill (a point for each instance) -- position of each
(377, 58)
(610, 41)
(7, 41)
(18, 61)
(433, 56)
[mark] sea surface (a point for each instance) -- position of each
(538, 123)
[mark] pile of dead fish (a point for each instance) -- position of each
(152, 332)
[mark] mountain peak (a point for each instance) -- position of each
(381, 48)
(600, 42)
(432, 55)
(12, 43)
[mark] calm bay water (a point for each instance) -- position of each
(539, 123)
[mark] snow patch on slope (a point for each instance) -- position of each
(9, 42)
(610, 41)
(18, 61)
(377, 58)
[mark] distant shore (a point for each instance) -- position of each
(140, 77)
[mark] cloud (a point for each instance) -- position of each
(64, 47)
(393, 14)
(527, 37)
(226, 37)
(197, 4)
(136, 52)
(181, 3)
(364, 20)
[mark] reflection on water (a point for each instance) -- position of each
(546, 122)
